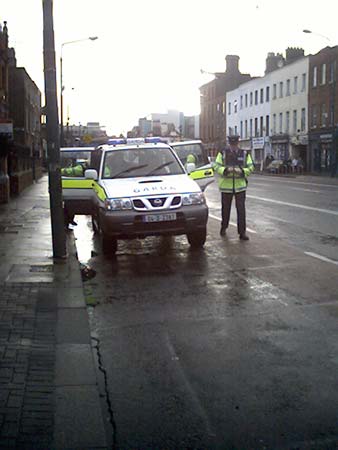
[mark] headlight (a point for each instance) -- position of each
(195, 198)
(118, 204)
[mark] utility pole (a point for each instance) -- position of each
(53, 137)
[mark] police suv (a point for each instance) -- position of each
(142, 189)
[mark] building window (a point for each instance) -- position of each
(314, 80)
(281, 89)
(274, 124)
(295, 121)
(262, 95)
(241, 129)
(303, 82)
(246, 100)
(281, 122)
(331, 72)
(246, 129)
(241, 102)
(251, 128)
(267, 126)
(288, 83)
(229, 108)
(235, 106)
(274, 91)
(323, 116)
(251, 97)
(256, 97)
(267, 94)
(236, 132)
(223, 108)
(314, 116)
(287, 122)
(295, 85)
(302, 120)
(323, 79)
(261, 126)
(256, 127)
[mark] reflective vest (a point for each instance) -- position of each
(76, 171)
(226, 160)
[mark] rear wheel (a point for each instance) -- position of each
(197, 239)
(109, 245)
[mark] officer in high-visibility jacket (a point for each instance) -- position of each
(233, 165)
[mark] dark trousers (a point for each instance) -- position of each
(240, 206)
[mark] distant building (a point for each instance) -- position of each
(191, 128)
(323, 111)
(145, 126)
(213, 102)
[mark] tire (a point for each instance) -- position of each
(109, 245)
(197, 239)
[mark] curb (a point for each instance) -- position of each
(78, 413)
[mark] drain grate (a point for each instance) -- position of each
(41, 269)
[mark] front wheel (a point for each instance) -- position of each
(197, 239)
(109, 245)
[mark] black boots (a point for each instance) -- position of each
(222, 231)
(243, 237)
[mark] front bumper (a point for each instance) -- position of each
(130, 224)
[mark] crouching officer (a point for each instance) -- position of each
(233, 165)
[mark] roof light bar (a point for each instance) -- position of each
(116, 141)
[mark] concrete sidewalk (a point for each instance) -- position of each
(49, 394)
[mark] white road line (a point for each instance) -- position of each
(254, 184)
(295, 205)
(322, 258)
(232, 223)
(298, 182)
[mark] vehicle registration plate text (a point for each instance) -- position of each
(159, 217)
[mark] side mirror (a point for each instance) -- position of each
(190, 167)
(91, 174)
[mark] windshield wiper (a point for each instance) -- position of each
(130, 169)
(160, 167)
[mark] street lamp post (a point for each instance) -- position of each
(90, 38)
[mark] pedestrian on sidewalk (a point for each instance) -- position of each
(233, 165)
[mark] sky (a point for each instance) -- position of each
(149, 54)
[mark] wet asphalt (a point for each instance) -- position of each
(230, 347)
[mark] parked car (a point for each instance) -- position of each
(277, 166)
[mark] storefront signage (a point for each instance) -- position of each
(257, 142)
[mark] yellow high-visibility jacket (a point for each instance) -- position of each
(228, 180)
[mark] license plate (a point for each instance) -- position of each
(159, 217)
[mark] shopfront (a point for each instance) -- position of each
(323, 153)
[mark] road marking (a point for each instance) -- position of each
(322, 258)
(254, 184)
(295, 205)
(232, 223)
(299, 182)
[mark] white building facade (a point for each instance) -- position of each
(270, 113)
(248, 115)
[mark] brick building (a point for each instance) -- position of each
(5, 124)
(25, 158)
(213, 102)
(323, 111)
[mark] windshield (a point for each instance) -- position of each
(140, 162)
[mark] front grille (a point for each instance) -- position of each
(157, 202)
